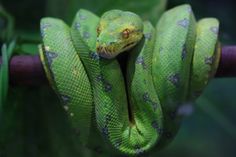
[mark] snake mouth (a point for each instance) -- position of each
(104, 49)
(129, 45)
(109, 51)
(105, 52)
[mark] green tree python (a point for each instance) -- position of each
(132, 112)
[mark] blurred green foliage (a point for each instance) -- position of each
(34, 123)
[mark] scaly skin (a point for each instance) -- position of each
(168, 66)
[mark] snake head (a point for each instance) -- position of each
(117, 32)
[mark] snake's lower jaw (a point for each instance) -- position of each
(107, 55)
(110, 52)
(129, 46)
(106, 52)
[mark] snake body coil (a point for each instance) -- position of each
(167, 66)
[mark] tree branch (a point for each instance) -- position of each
(28, 70)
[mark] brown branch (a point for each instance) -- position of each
(28, 70)
(227, 66)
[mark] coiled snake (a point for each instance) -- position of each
(166, 66)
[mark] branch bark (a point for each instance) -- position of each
(28, 70)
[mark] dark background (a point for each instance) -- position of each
(35, 124)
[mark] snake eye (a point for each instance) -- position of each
(125, 33)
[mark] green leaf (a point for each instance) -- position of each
(4, 70)
(6, 25)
